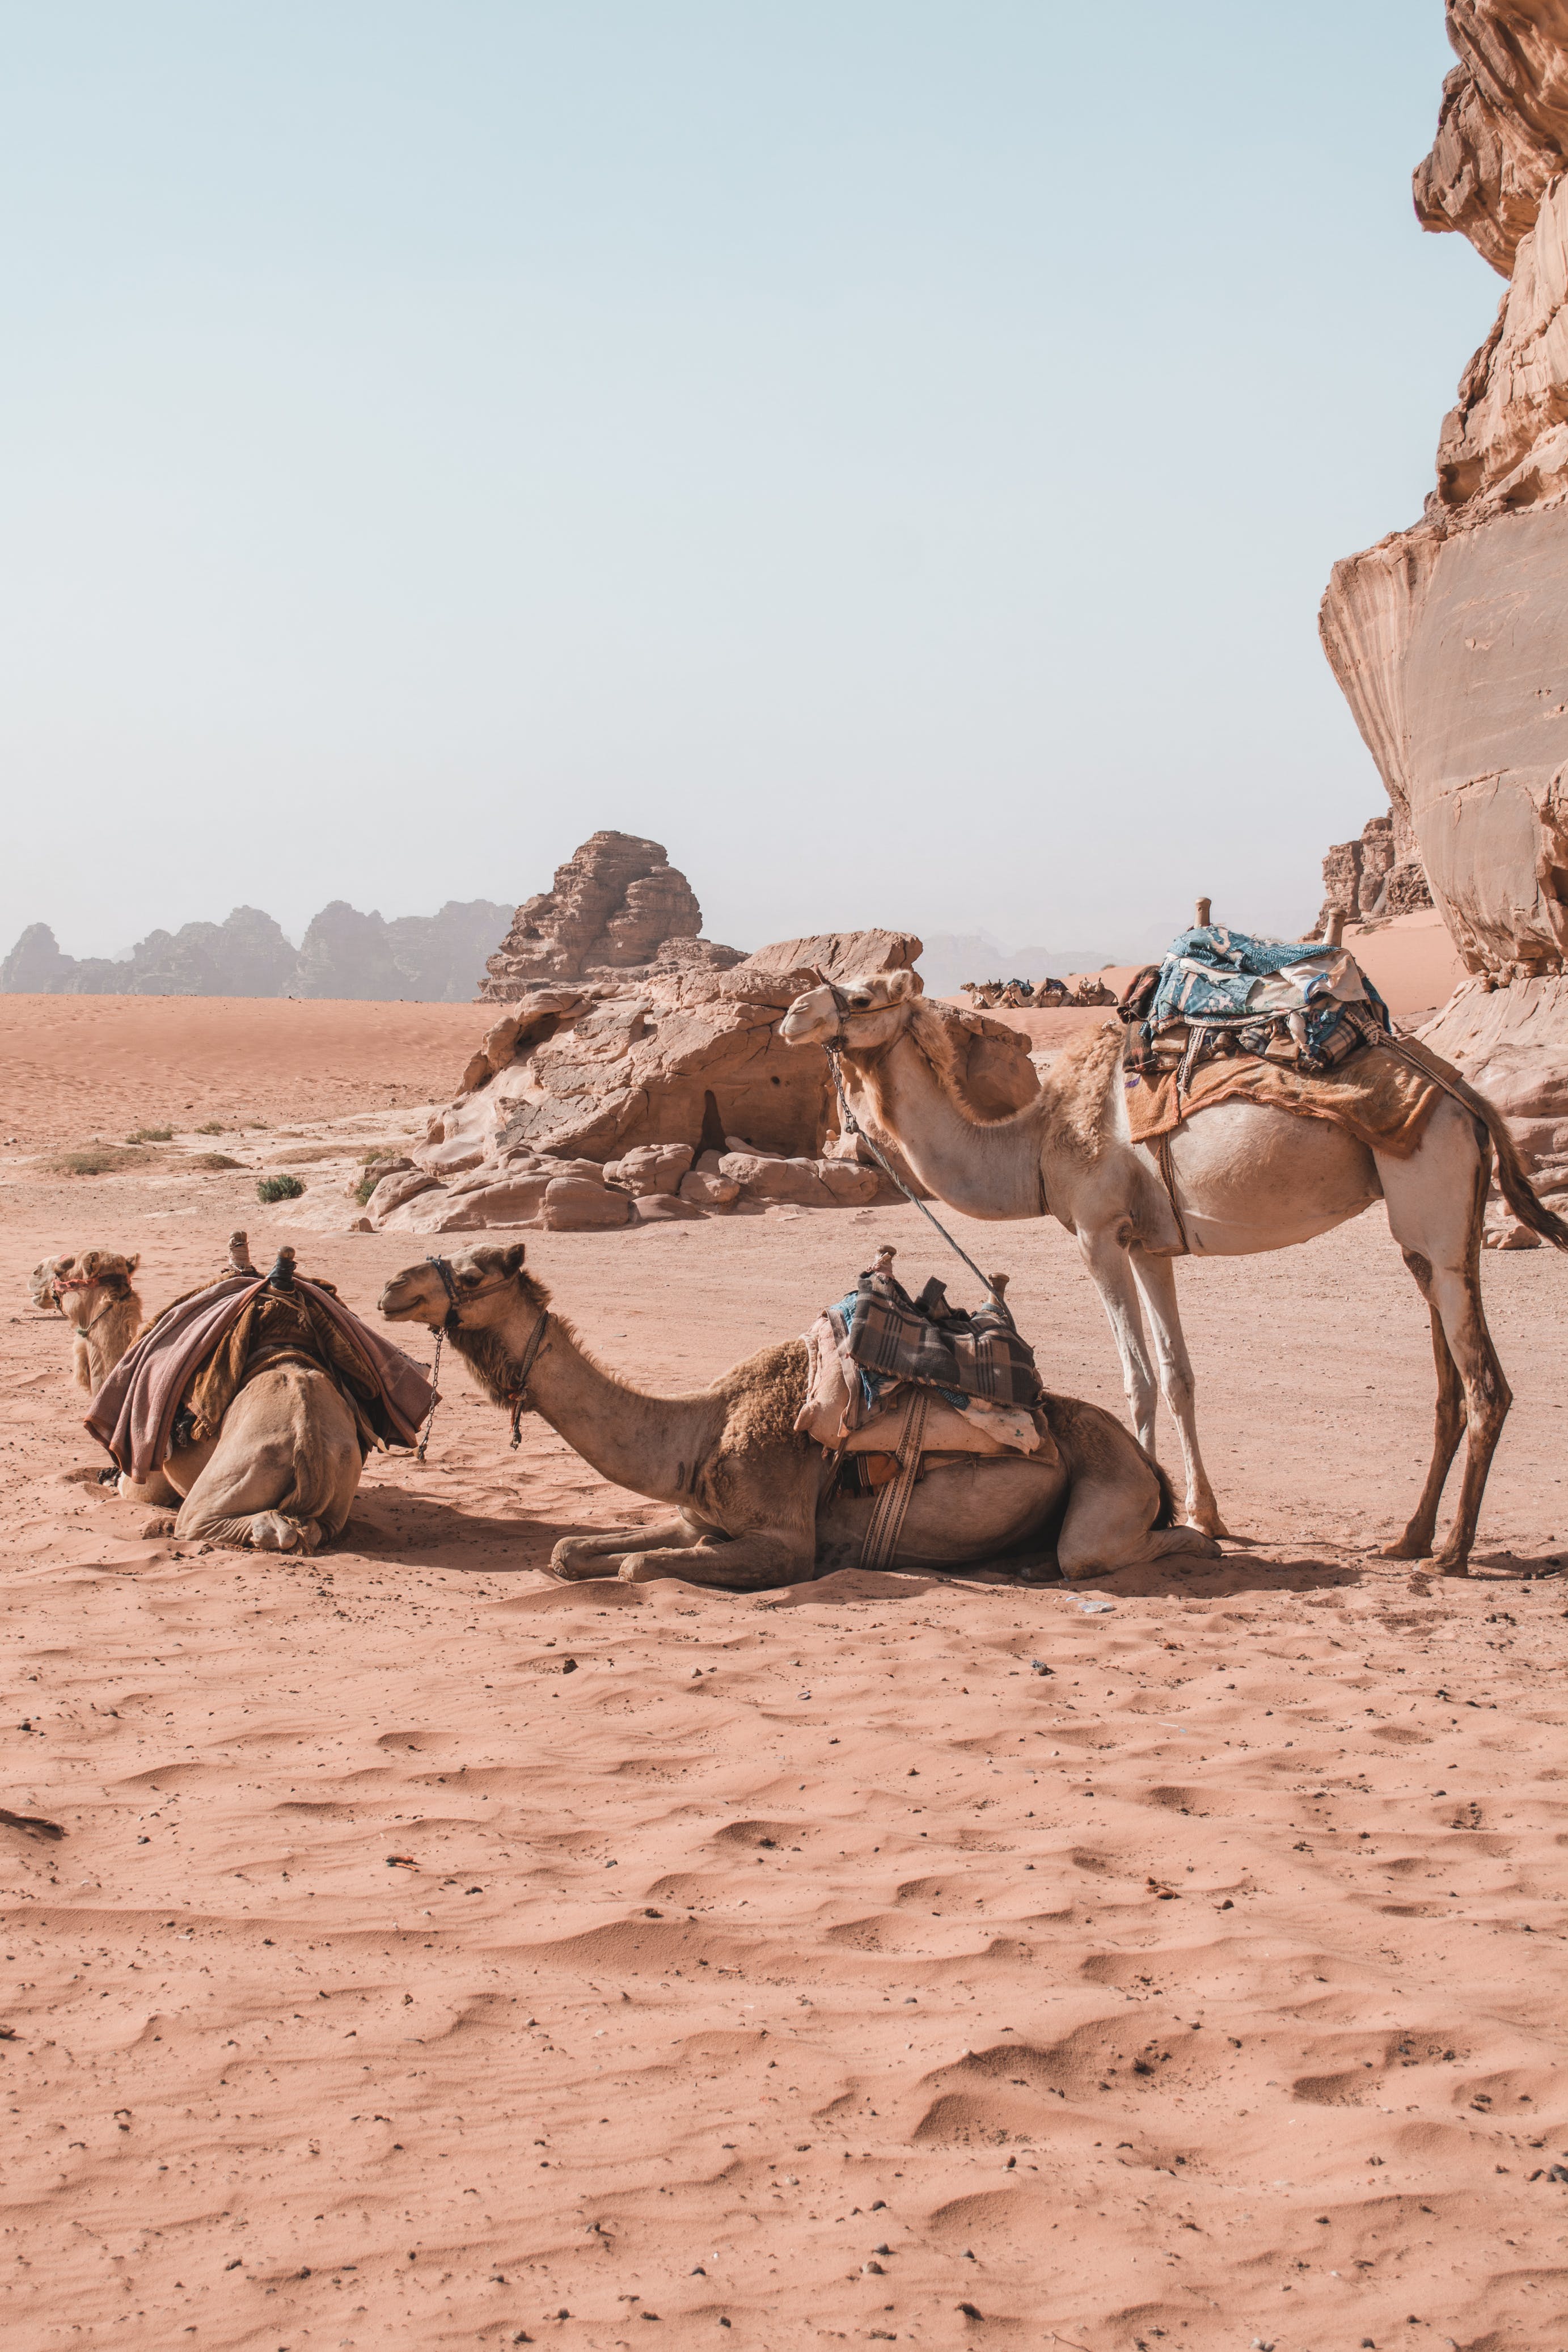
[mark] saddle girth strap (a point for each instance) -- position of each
(1168, 1176)
(880, 1546)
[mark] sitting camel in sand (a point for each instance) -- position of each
(282, 1471)
(92, 1290)
(755, 1502)
(1245, 1178)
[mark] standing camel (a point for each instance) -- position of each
(755, 1502)
(1244, 1177)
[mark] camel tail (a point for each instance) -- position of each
(1516, 1187)
(1512, 1182)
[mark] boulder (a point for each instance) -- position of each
(706, 1190)
(664, 1208)
(801, 1183)
(652, 1168)
(572, 1203)
(394, 1190)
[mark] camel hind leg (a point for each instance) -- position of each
(1416, 1543)
(1436, 1203)
(1119, 1509)
(285, 1470)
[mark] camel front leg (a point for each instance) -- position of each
(1105, 1254)
(748, 1563)
(579, 1558)
(1155, 1278)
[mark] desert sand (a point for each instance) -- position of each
(1268, 2050)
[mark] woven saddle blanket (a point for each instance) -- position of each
(1221, 992)
(188, 1367)
(867, 1352)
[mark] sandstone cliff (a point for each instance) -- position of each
(1451, 639)
(615, 908)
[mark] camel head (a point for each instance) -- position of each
(477, 1290)
(857, 1017)
(41, 1283)
(104, 1273)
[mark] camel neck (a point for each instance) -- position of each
(649, 1445)
(983, 1168)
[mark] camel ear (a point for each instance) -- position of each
(512, 1259)
(132, 1263)
(901, 985)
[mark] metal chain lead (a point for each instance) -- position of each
(434, 1397)
(853, 1127)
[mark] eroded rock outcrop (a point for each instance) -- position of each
(1451, 639)
(673, 1093)
(1377, 874)
(616, 906)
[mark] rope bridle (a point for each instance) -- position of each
(91, 1282)
(448, 1328)
(851, 1125)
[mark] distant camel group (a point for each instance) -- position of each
(1036, 995)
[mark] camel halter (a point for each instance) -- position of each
(851, 1125)
(449, 1327)
(88, 1282)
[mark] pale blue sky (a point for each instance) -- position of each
(892, 452)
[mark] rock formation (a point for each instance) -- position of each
(616, 907)
(1451, 639)
(614, 1100)
(1378, 874)
(433, 958)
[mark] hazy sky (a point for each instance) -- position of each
(889, 450)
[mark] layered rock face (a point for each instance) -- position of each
(611, 1101)
(617, 906)
(1451, 639)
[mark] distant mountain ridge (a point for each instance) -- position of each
(423, 958)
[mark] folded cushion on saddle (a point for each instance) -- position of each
(198, 1354)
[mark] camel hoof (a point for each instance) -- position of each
(573, 1562)
(161, 1526)
(1209, 1523)
(637, 1569)
(1408, 1547)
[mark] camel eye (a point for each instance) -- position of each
(860, 1000)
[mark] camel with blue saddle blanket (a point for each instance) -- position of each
(1253, 1144)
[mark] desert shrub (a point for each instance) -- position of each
(94, 1159)
(213, 1127)
(278, 1188)
(213, 1161)
(151, 1135)
(366, 1186)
